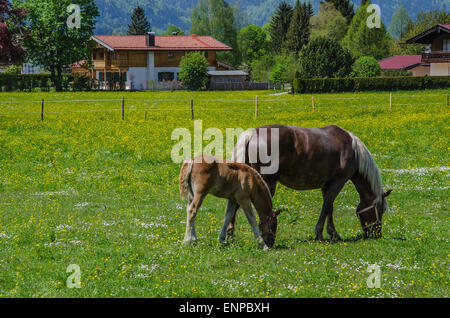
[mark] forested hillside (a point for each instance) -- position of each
(115, 14)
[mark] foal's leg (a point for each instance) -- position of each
(248, 210)
(329, 193)
(271, 182)
(230, 214)
(232, 207)
(192, 209)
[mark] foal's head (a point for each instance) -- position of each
(371, 217)
(269, 227)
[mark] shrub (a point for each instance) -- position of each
(325, 57)
(29, 82)
(193, 71)
(366, 66)
(324, 85)
(13, 70)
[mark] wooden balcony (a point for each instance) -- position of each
(436, 57)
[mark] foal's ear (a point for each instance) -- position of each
(387, 193)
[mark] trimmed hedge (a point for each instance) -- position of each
(29, 82)
(328, 85)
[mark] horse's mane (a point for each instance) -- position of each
(367, 166)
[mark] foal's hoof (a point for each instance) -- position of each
(189, 242)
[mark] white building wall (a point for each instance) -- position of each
(142, 78)
(137, 78)
(440, 69)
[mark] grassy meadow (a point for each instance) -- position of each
(84, 187)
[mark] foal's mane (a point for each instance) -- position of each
(367, 166)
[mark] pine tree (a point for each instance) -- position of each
(345, 7)
(139, 23)
(299, 29)
(279, 26)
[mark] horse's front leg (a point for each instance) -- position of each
(230, 217)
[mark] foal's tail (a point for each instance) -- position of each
(185, 179)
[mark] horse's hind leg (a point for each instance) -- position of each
(329, 193)
(331, 230)
(193, 206)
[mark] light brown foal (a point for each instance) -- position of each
(239, 183)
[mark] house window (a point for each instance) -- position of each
(166, 76)
(446, 45)
(171, 55)
(206, 54)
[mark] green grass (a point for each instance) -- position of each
(90, 189)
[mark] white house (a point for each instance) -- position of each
(146, 61)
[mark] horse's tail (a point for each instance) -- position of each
(185, 179)
(240, 150)
(366, 165)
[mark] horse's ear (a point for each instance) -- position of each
(387, 193)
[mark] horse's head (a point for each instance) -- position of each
(371, 216)
(269, 227)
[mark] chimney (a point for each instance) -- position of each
(150, 39)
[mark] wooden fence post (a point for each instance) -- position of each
(256, 106)
(447, 100)
(145, 118)
(192, 109)
(42, 110)
(123, 108)
(390, 101)
(313, 104)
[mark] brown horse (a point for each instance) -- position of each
(318, 158)
(239, 183)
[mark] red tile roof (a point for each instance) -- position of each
(446, 26)
(400, 61)
(162, 43)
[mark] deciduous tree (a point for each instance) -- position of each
(363, 40)
(53, 43)
(12, 31)
(324, 57)
(217, 18)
